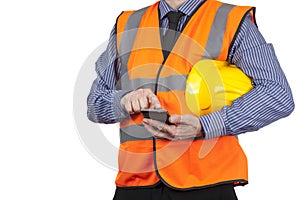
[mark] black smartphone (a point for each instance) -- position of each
(159, 115)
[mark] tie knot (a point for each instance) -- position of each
(173, 19)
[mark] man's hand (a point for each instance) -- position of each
(139, 99)
(185, 126)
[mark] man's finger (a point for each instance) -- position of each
(156, 133)
(143, 101)
(154, 123)
(135, 105)
(128, 107)
(154, 102)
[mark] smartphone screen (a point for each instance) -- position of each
(159, 115)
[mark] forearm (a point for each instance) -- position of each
(103, 105)
(247, 114)
(269, 100)
(258, 108)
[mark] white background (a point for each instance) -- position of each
(43, 45)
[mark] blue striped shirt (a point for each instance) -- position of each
(269, 100)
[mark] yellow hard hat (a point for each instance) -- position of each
(213, 84)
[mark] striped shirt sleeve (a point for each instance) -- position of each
(269, 100)
(104, 100)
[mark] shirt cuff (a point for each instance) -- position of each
(213, 125)
(119, 112)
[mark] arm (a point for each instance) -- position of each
(269, 100)
(103, 99)
(105, 103)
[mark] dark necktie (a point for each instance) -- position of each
(171, 35)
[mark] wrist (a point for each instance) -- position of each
(118, 108)
(200, 131)
(213, 125)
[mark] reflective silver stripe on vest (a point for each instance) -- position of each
(134, 133)
(213, 46)
(175, 82)
(217, 31)
(127, 40)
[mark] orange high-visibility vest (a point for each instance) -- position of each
(190, 163)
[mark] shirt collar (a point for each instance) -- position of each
(187, 7)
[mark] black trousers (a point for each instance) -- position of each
(162, 192)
